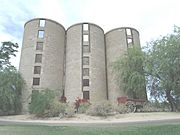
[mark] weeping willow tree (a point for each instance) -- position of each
(11, 82)
(129, 73)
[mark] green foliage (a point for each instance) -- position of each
(120, 108)
(129, 73)
(104, 108)
(83, 107)
(70, 111)
(56, 109)
(155, 107)
(162, 66)
(7, 49)
(41, 102)
(11, 85)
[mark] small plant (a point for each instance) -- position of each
(84, 107)
(41, 101)
(70, 111)
(81, 105)
(155, 107)
(120, 108)
(57, 109)
(101, 109)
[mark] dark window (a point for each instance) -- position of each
(85, 94)
(86, 48)
(85, 60)
(37, 70)
(85, 71)
(39, 46)
(38, 58)
(42, 23)
(36, 81)
(41, 34)
(85, 82)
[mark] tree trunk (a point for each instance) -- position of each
(171, 101)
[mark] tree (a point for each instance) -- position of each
(163, 68)
(7, 49)
(11, 86)
(130, 74)
(11, 82)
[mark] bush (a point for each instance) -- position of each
(83, 107)
(101, 109)
(41, 101)
(70, 111)
(155, 107)
(56, 109)
(120, 108)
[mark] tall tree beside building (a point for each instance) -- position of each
(163, 68)
(130, 74)
(11, 82)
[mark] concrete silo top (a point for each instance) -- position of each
(44, 19)
(84, 23)
(116, 29)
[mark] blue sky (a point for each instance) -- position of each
(151, 18)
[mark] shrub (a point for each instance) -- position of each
(81, 105)
(120, 108)
(155, 107)
(41, 101)
(56, 109)
(70, 111)
(101, 109)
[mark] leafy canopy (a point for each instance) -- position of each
(130, 74)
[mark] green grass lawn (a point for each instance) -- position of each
(66, 130)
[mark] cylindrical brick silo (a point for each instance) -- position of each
(117, 42)
(85, 63)
(42, 57)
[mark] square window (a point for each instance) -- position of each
(85, 71)
(37, 70)
(42, 23)
(85, 82)
(36, 81)
(85, 94)
(85, 60)
(85, 38)
(128, 32)
(86, 49)
(41, 34)
(85, 27)
(39, 46)
(38, 58)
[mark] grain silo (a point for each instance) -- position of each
(117, 42)
(42, 57)
(85, 63)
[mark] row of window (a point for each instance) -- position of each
(38, 57)
(129, 37)
(85, 59)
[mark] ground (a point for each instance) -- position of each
(161, 123)
(82, 118)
